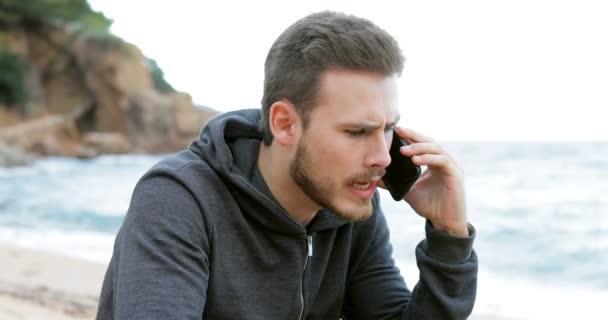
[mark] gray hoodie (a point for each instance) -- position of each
(205, 239)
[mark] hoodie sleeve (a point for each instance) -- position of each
(160, 266)
(446, 288)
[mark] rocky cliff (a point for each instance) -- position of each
(87, 94)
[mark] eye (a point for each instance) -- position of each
(356, 133)
(390, 129)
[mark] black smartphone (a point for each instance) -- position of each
(402, 172)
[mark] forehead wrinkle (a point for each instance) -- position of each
(368, 124)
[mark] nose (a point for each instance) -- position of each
(379, 152)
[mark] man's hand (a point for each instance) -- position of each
(438, 194)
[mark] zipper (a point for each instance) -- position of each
(308, 255)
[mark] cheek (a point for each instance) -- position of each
(336, 160)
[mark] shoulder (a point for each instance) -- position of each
(184, 171)
(178, 188)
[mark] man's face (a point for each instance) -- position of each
(342, 154)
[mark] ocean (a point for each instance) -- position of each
(540, 210)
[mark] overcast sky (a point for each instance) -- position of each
(518, 70)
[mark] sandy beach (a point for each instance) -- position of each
(38, 285)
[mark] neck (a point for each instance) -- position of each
(274, 167)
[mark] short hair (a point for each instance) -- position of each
(314, 44)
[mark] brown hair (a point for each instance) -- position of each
(316, 43)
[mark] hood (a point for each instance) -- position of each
(229, 144)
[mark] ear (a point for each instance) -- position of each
(283, 120)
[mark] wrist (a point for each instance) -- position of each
(447, 248)
(457, 229)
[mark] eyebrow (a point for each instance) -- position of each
(369, 125)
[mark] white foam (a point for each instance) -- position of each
(90, 246)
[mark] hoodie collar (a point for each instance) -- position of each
(230, 144)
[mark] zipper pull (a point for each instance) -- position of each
(309, 238)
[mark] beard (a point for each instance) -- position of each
(323, 190)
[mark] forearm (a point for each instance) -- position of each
(448, 277)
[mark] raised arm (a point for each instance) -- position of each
(446, 288)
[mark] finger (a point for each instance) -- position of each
(440, 161)
(421, 148)
(412, 135)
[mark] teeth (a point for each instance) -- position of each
(361, 186)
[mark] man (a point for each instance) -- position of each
(275, 214)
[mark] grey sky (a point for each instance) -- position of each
(476, 70)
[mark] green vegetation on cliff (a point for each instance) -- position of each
(158, 76)
(34, 12)
(12, 72)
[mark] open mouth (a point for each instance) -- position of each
(363, 189)
(361, 185)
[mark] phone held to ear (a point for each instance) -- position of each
(402, 172)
